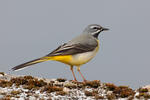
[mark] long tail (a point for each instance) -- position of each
(39, 60)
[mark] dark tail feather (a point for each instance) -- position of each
(28, 63)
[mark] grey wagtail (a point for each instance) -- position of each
(76, 52)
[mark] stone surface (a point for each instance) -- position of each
(33, 88)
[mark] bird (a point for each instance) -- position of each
(75, 52)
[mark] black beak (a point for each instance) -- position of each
(105, 29)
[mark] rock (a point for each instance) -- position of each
(147, 87)
(28, 87)
(66, 90)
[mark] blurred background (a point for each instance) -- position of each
(33, 28)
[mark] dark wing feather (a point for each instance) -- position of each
(72, 49)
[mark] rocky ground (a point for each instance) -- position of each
(31, 88)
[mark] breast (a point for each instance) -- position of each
(83, 58)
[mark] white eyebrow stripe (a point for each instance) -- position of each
(93, 26)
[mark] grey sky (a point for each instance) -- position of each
(33, 28)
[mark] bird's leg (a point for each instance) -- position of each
(78, 69)
(71, 68)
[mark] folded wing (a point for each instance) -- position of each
(73, 49)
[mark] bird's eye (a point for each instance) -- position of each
(96, 28)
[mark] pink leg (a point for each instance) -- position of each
(78, 68)
(71, 68)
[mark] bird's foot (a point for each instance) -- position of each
(74, 81)
(85, 80)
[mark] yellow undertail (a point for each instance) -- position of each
(64, 59)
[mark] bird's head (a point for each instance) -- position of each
(94, 30)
